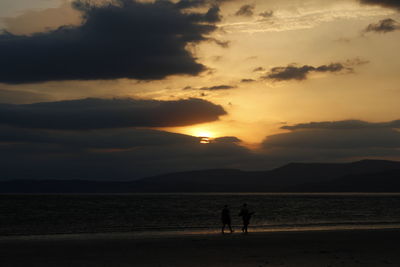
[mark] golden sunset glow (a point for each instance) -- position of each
(260, 107)
(185, 105)
(204, 134)
(197, 131)
(284, 81)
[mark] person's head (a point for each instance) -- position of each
(245, 205)
(225, 206)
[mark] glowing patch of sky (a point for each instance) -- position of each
(303, 32)
(10, 8)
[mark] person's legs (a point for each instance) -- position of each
(246, 224)
(223, 227)
(230, 227)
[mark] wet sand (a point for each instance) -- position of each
(302, 248)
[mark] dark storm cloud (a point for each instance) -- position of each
(128, 39)
(245, 10)
(383, 26)
(294, 72)
(94, 113)
(345, 124)
(385, 3)
(218, 87)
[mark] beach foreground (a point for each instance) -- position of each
(302, 248)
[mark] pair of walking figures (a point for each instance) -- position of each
(244, 213)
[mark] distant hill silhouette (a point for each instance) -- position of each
(360, 176)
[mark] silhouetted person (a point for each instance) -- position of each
(226, 218)
(246, 216)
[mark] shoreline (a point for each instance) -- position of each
(377, 247)
(160, 233)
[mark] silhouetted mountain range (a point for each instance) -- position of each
(360, 176)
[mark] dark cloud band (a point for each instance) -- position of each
(218, 87)
(296, 72)
(346, 124)
(385, 3)
(93, 113)
(133, 153)
(293, 72)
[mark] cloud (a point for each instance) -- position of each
(258, 69)
(335, 141)
(223, 44)
(191, 3)
(296, 72)
(94, 113)
(127, 39)
(383, 26)
(112, 154)
(218, 87)
(247, 80)
(266, 14)
(385, 3)
(122, 138)
(343, 125)
(245, 11)
(198, 3)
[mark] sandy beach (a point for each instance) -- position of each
(299, 248)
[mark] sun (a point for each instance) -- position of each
(205, 140)
(205, 136)
(202, 133)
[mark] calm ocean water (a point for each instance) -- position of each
(49, 214)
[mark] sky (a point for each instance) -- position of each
(125, 89)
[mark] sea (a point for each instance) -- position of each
(193, 212)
